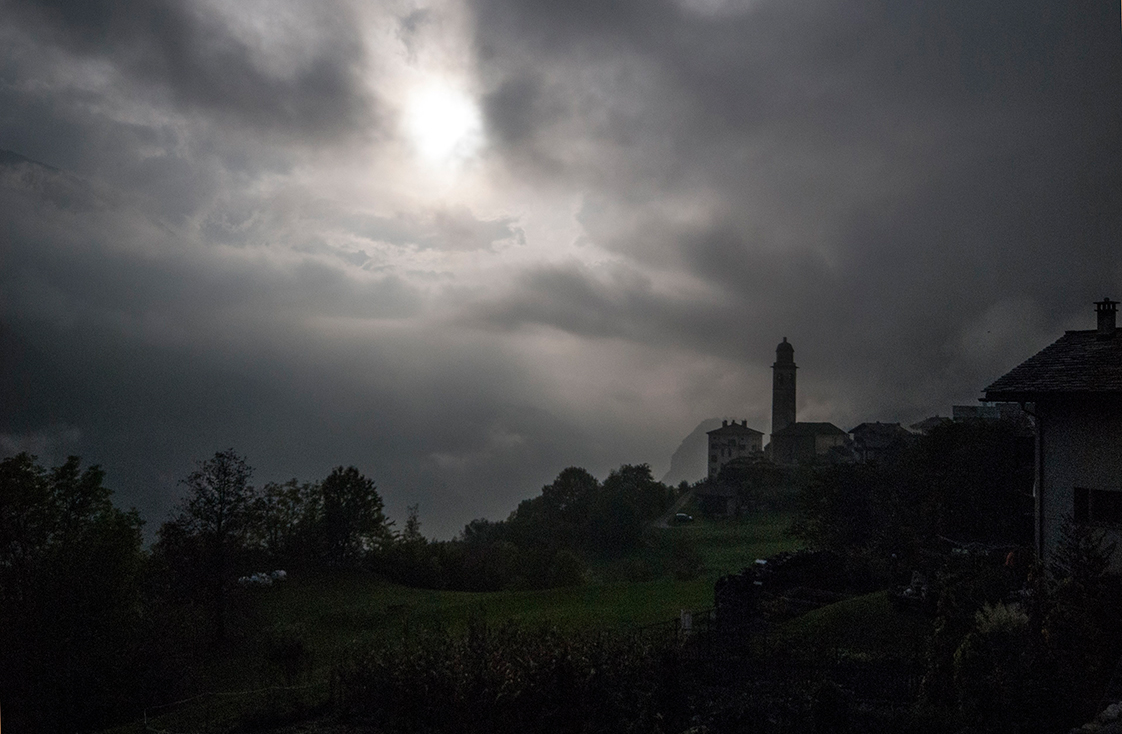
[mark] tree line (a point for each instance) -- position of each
(94, 626)
(548, 540)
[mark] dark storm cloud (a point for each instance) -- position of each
(178, 49)
(54, 248)
(615, 303)
(133, 346)
(917, 194)
(877, 178)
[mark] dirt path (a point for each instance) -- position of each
(664, 521)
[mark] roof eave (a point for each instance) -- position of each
(1032, 396)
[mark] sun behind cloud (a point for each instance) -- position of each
(443, 122)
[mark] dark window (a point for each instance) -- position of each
(1082, 510)
(1106, 506)
(1097, 505)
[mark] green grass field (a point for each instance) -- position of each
(864, 627)
(727, 546)
(334, 614)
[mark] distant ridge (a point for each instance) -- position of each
(688, 462)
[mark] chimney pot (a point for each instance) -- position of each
(1107, 311)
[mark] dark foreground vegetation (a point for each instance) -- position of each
(916, 605)
(94, 628)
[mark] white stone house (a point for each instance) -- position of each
(730, 441)
(1073, 389)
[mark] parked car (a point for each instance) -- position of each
(682, 517)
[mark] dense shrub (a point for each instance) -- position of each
(967, 481)
(513, 679)
(71, 626)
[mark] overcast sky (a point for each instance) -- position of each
(465, 244)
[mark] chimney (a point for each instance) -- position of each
(724, 424)
(1107, 311)
(744, 423)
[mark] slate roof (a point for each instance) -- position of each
(889, 430)
(810, 429)
(734, 429)
(1077, 362)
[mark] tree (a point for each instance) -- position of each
(25, 523)
(571, 493)
(412, 531)
(216, 518)
(353, 518)
(69, 597)
(634, 484)
(287, 522)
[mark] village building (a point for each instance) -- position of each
(731, 441)
(793, 442)
(804, 443)
(873, 442)
(927, 425)
(1073, 389)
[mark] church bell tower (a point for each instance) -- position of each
(783, 387)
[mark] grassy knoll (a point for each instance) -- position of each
(865, 627)
(727, 546)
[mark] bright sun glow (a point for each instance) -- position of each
(444, 123)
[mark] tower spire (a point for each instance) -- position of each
(783, 387)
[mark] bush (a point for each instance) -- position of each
(509, 678)
(567, 569)
(993, 668)
(287, 651)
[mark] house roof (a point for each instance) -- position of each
(734, 429)
(1077, 362)
(890, 430)
(810, 429)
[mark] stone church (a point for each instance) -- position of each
(793, 442)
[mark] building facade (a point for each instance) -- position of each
(873, 442)
(1073, 389)
(805, 443)
(730, 441)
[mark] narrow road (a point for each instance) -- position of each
(664, 521)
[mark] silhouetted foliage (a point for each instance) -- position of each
(354, 523)
(71, 627)
(967, 481)
(208, 539)
(759, 484)
(287, 526)
(507, 679)
(546, 541)
(1019, 650)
